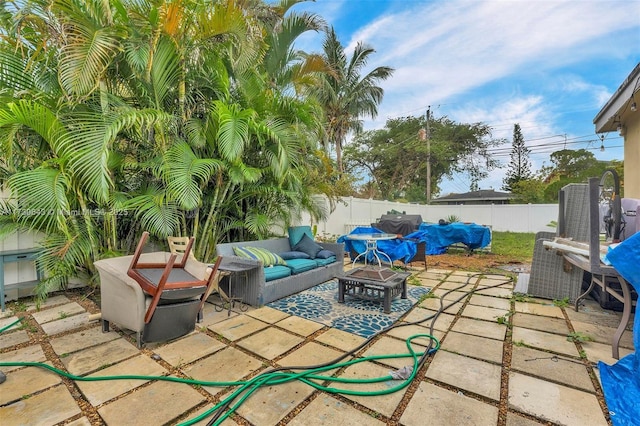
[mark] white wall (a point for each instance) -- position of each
(501, 217)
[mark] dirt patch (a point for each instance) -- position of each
(480, 261)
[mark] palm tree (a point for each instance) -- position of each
(347, 96)
(154, 115)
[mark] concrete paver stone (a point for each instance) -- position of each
(65, 324)
(390, 346)
(326, 410)
(81, 340)
(466, 373)
(158, 403)
(553, 402)
(99, 392)
(537, 322)
(24, 382)
(32, 353)
(403, 333)
(474, 346)
(227, 365)
(268, 315)
(603, 334)
(14, 338)
(97, 357)
(436, 406)
(565, 370)
(340, 339)
(47, 408)
(490, 301)
(270, 343)
(311, 354)
(270, 404)
(602, 352)
(300, 326)
(491, 330)
(542, 340)
(189, 348)
(383, 404)
(238, 327)
(58, 312)
(442, 322)
(59, 299)
(484, 312)
(548, 310)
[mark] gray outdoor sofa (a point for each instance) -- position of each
(257, 291)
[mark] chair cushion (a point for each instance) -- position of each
(325, 262)
(296, 233)
(325, 254)
(301, 265)
(276, 272)
(260, 254)
(294, 255)
(308, 246)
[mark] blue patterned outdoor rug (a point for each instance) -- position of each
(361, 317)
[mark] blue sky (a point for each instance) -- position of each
(548, 65)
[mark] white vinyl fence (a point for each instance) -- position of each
(352, 212)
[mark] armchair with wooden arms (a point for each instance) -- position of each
(153, 294)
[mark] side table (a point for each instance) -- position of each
(234, 270)
(19, 255)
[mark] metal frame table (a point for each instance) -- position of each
(232, 268)
(20, 255)
(363, 283)
(372, 247)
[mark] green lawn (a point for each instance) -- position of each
(518, 245)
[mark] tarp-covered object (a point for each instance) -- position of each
(397, 249)
(439, 237)
(621, 381)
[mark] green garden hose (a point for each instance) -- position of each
(247, 388)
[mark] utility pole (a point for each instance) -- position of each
(424, 135)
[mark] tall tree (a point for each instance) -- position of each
(346, 95)
(520, 165)
(396, 159)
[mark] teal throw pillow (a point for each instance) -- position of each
(262, 255)
(296, 233)
(325, 254)
(307, 245)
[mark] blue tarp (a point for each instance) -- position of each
(439, 237)
(398, 249)
(621, 381)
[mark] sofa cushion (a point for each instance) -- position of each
(325, 254)
(299, 266)
(260, 254)
(276, 272)
(308, 246)
(294, 255)
(296, 233)
(325, 262)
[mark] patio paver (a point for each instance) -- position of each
(474, 346)
(25, 382)
(466, 373)
(158, 403)
(541, 323)
(542, 340)
(81, 340)
(189, 348)
(436, 406)
(97, 357)
(52, 406)
(327, 410)
(340, 339)
(538, 363)
(270, 343)
(553, 402)
(492, 330)
(300, 326)
(238, 327)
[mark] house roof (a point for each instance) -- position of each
(481, 195)
(618, 108)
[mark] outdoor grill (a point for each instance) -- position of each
(403, 224)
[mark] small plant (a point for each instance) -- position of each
(583, 354)
(520, 297)
(19, 306)
(62, 315)
(452, 218)
(504, 319)
(578, 337)
(64, 355)
(412, 280)
(561, 303)
(430, 295)
(519, 343)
